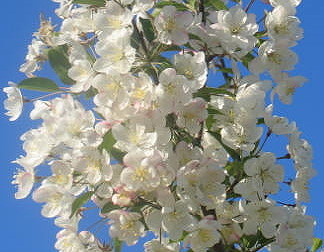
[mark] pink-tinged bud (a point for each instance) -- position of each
(122, 197)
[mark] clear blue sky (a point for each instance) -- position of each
(23, 227)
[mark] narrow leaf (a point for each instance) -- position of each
(79, 202)
(195, 37)
(206, 92)
(98, 3)
(147, 29)
(260, 34)
(59, 61)
(39, 84)
(109, 207)
(118, 245)
(226, 70)
(210, 121)
(246, 59)
(213, 111)
(135, 40)
(172, 48)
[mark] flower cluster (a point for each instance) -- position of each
(160, 146)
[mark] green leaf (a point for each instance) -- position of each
(135, 40)
(91, 92)
(147, 29)
(108, 145)
(39, 84)
(249, 240)
(117, 154)
(218, 4)
(98, 3)
(163, 63)
(213, 111)
(59, 61)
(260, 121)
(117, 245)
(172, 48)
(229, 150)
(260, 34)
(179, 6)
(80, 201)
(206, 92)
(193, 4)
(108, 141)
(317, 244)
(246, 59)
(210, 121)
(234, 168)
(193, 36)
(109, 207)
(226, 70)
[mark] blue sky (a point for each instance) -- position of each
(23, 227)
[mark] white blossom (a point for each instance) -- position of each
(14, 102)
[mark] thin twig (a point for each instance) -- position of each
(44, 96)
(249, 5)
(264, 142)
(202, 11)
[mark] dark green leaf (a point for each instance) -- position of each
(59, 61)
(91, 92)
(193, 36)
(210, 121)
(163, 63)
(118, 245)
(39, 84)
(317, 244)
(138, 207)
(229, 150)
(109, 207)
(172, 48)
(212, 111)
(179, 6)
(80, 201)
(135, 40)
(108, 143)
(117, 154)
(147, 29)
(249, 241)
(98, 3)
(206, 92)
(226, 70)
(234, 168)
(260, 34)
(260, 121)
(246, 59)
